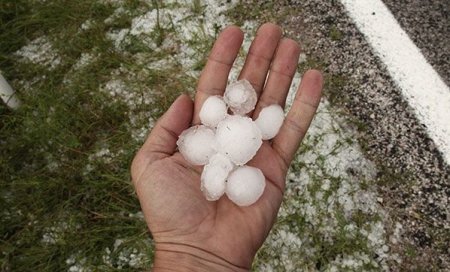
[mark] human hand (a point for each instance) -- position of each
(191, 233)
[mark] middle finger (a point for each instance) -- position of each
(260, 56)
(280, 76)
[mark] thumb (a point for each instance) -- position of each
(163, 138)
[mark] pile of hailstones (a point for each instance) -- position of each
(225, 143)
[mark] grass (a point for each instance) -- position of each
(65, 192)
(64, 205)
(335, 33)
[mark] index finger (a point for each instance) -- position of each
(214, 77)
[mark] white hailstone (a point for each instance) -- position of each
(213, 111)
(196, 144)
(241, 97)
(214, 176)
(270, 120)
(245, 185)
(238, 138)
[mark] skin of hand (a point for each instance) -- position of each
(191, 233)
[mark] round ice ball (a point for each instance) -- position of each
(245, 185)
(240, 97)
(213, 111)
(270, 120)
(238, 138)
(214, 176)
(196, 144)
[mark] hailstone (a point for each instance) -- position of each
(245, 185)
(239, 138)
(214, 176)
(225, 143)
(213, 111)
(270, 120)
(241, 97)
(196, 144)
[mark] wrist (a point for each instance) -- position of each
(180, 257)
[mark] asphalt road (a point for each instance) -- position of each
(428, 25)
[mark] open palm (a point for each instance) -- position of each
(190, 232)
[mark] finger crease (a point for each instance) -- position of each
(158, 149)
(279, 72)
(220, 62)
(303, 102)
(259, 56)
(293, 125)
(277, 185)
(171, 132)
(212, 91)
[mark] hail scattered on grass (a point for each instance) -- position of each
(331, 218)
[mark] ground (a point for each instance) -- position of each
(93, 76)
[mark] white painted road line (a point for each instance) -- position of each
(420, 84)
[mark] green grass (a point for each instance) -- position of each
(65, 189)
(335, 33)
(52, 184)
